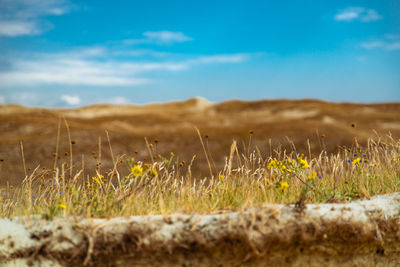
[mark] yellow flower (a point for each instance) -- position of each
(63, 206)
(304, 163)
(284, 186)
(221, 177)
(395, 159)
(356, 161)
(98, 179)
(136, 170)
(272, 164)
(154, 172)
(312, 175)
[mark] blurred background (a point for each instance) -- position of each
(61, 53)
(269, 71)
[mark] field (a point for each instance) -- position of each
(195, 157)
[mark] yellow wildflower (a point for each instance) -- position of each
(221, 177)
(283, 186)
(395, 159)
(356, 161)
(98, 179)
(154, 172)
(63, 206)
(136, 170)
(272, 164)
(312, 175)
(304, 163)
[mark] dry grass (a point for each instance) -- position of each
(163, 185)
(326, 125)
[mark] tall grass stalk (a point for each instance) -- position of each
(165, 185)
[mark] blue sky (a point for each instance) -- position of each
(60, 53)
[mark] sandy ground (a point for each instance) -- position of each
(360, 233)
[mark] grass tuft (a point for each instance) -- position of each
(166, 185)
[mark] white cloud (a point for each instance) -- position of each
(119, 100)
(357, 13)
(97, 66)
(71, 100)
(389, 46)
(23, 17)
(2, 99)
(167, 37)
(141, 52)
(389, 42)
(223, 58)
(160, 38)
(17, 28)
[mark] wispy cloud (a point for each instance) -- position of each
(167, 37)
(97, 66)
(390, 42)
(72, 100)
(17, 28)
(67, 71)
(389, 46)
(2, 99)
(227, 58)
(141, 53)
(119, 100)
(23, 17)
(358, 13)
(160, 38)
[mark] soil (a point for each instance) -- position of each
(359, 233)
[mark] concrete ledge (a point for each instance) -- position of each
(365, 233)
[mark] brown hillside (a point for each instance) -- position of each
(327, 125)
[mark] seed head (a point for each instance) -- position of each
(73, 142)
